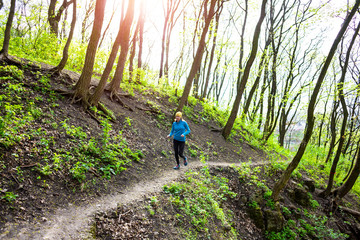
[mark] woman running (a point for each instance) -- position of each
(179, 129)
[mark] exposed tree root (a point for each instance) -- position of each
(64, 92)
(117, 98)
(147, 109)
(106, 112)
(92, 115)
(13, 61)
(213, 129)
(350, 211)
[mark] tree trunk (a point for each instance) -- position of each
(332, 131)
(257, 80)
(163, 47)
(95, 98)
(108, 25)
(88, 11)
(327, 191)
(347, 186)
(53, 18)
(198, 56)
(5, 49)
(133, 51)
(114, 86)
(211, 54)
(82, 86)
(310, 115)
(65, 57)
(141, 40)
(241, 87)
(1, 4)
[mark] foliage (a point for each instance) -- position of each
(9, 196)
(200, 198)
(310, 226)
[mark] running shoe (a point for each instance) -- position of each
(185, 161)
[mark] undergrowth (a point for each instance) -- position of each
(200, 200)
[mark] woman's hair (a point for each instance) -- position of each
(178, 114)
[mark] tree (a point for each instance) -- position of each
(89, 9)
(341, 143)
(141, 39)
(65, 57)
(114, 85)
(347, 186)
(310, 112)
(212, 52)
(242, 78)
(198, 56)
(5, 49)
(1, 4)
(124, 26)
(108, 25)
(170, 8)
(82, 86)
(135, 38)
(53, 18)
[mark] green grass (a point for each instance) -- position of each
(200, 200)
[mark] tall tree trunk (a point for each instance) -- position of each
(332, 131)
(310, 114)
(65, 57)
(108, 25)
(163, 46)
(347, 186)
(217, 18)
(198, 56)
(257, 80)
(89, 9)
(327, 191)
(82, 86)
(114, 86)
(1, 4)
(95, 98)
(53, 18)
(5, 49)
(241, 87)
(141, 39)
(133, 51)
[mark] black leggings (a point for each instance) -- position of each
(179, 150)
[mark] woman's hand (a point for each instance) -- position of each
(182, 135)
(168, 136)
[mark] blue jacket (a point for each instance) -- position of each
(178, 129)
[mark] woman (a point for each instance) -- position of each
(179, 129)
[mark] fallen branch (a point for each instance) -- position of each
(29, 165)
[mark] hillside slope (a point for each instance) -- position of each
(63, 167)
(42, 149)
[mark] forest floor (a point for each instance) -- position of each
(42, 200)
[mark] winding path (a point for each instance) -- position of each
(73, 222)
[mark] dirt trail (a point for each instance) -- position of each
(73, 222)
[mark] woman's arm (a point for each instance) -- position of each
(187, 129)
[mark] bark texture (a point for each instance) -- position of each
(82, 86)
